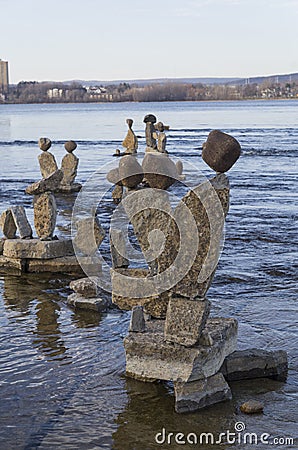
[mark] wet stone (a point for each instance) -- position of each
(137, 321)
(8, 225)
(86, 287)
(185, 320)
(190, 397)
(220, 151)
(77, 301)
(252, 407)
(45, 214)
(256, 363)
(21, 221)
(149, 355)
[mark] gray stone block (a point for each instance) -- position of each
(256, 363)
(190, 397)
(137, 321)
(185, 320)
(149, 356)
(36, 249)
(8, 225)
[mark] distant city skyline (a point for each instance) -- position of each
(99, 40)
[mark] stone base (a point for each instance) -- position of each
(66, 264)
(12, 265)
(149, 356)
(91, 304)
(64, 189)
(255, 363)
(190, 397)
(37, 249)
(155, 305)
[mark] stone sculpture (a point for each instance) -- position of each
(46, 160)
(150, 133)
(161, 138)
(130, 142)
(69, 166)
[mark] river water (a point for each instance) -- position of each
(62, 382)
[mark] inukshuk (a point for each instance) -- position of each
(194, 351)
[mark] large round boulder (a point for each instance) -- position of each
(220, 151)
(159, 170)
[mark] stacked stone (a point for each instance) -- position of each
(69, 167)
(188, 347)
(86, 295)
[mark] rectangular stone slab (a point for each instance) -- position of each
(12, 265)
(90, 304)
(65, 264)
(36, 249)
(190, 397)
(255, 363)
(149, 356)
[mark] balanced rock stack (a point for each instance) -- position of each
(86, 295)
(69, 167)
(189, 348)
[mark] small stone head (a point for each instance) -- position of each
(44, 144)
(70, 146)
(150, 118)
(160, 127)
(117, 152)
(129, 122)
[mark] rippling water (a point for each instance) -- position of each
(62, 381)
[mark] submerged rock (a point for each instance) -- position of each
(252, 407)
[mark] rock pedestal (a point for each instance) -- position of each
(45, 215)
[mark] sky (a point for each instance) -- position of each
(133, 39)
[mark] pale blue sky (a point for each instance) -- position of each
(129, 39)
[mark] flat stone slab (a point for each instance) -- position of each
(149, 356)
(36, 249)
(12, 265)
(256, 363)
(186, 320)
(190, 397)
(92, 304)
(65, 264)
(64, 189)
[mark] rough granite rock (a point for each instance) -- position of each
(69, 166)
(149, 211)
(118, 249)
(70, 146)
(44, 144)
(149, 356)
(49, 184)
(256, 363)
(45, 215)
(220, 151)
(190, 397)
(86, 287)
(47, 164)
(21, 221)
(8, 225)
(161, 138)
(130, 142)
(89, 236)
(159, 170)
(36, 249)
(137, 320)
(63, 264)
(130, 171)
(207, 205)
(91, 304)
(123, 293)
(150, 133)
(185, 320)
